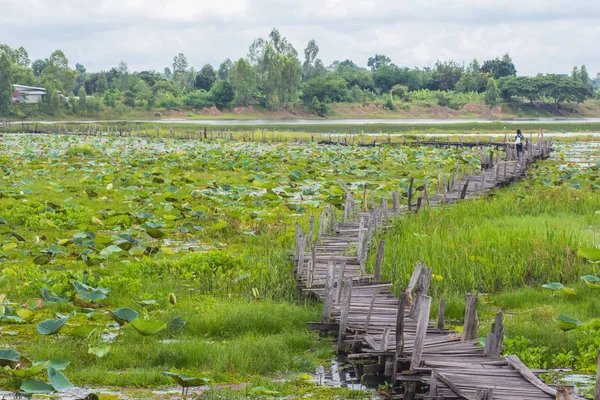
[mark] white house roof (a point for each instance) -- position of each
(30, 88)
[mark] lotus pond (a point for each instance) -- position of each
(141, 263)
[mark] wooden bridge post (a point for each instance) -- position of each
(340, 281)
(345, 312)
(311, 228)
(333, 221)
(328, 297)
(395, 202)
(422, 322)
(441, 315)
(399, 336)
(420, 292)
(463, 192)
(410, 194)
(371, 306)
(470, 326)
(493, 341)
(361, 239)
(379, 261)
(597, 388)
(310, 272)
(485, 394)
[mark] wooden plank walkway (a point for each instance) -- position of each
(392, 338)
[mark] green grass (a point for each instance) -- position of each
(284, 132)
(229, 340)
(498, 243)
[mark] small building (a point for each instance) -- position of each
(28, 94)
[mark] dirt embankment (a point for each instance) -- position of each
(402, 111)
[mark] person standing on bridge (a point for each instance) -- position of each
(519, 140)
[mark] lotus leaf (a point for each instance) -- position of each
(8, 357)
(35, 386)
(146, 327)
(124, 315)
(187, 378)
(566, 323)
(553, 286)
(58, 380)
(591, 254)
(51, 326)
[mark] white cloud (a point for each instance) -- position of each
(540, 36)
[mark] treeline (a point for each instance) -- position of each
(273, 75)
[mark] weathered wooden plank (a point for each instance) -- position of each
(345, 312)
(423, 312)
(471, 323)
(379, 261)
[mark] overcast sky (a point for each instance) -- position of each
(549, 36)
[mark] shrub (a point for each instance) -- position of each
(198, 99)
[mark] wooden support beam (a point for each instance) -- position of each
(470, 325)
(410, 193)
(371, 306)
(345, 312)
(399, 336)
(420, 292)
(311, 228)
(485, 394)
(415, 277)
(441, 315)
(340, 282)
(597, 388)
(422, 322)
(379, 261)
(493, 342)
(328, 298)
(463, 192)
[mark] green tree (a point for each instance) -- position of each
(326, 90)
(584, 77)
(51, 103)
(101, 84)
(243, 79)
(224, 70)
(498, 68)
(310, 56)
(5, 85)
(378, 61)
(492, 94)
(222, 94)
(206, 78)
(58, 73)
(123, 74)
(180, 66)
(82, 102)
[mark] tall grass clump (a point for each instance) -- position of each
(507, 241)
(80, 150)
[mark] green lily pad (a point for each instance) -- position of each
(148, 327)
(59, 380)
(187, 378)
(99, 351)
(553, 286)
(124, 315)
(35, 386)
(8, 357)
(51, 326)
(591, 254)
(566, 323)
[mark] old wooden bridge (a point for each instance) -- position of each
(390, 337)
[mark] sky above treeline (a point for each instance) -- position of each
(547, 36)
